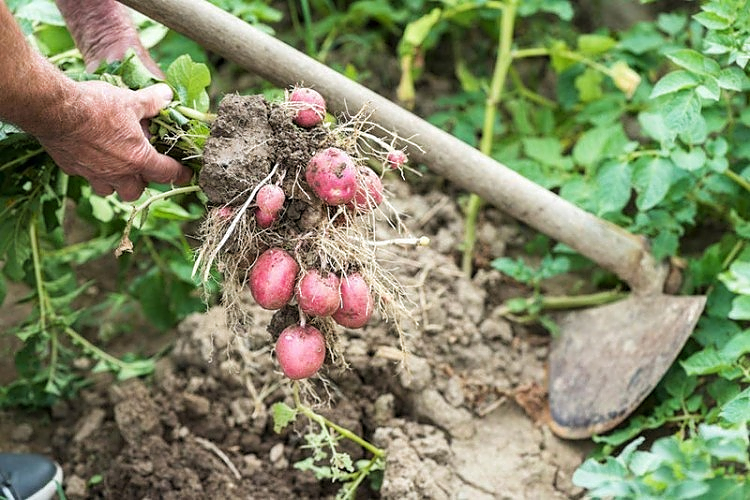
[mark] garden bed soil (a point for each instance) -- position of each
(464, 418)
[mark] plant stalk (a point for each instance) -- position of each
(324, 422)
(502, 64)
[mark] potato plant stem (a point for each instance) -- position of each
(502, 64)
(21, 159)
(563, 302)
(43, 302)
(194, 114)
(739, 180)
(125, 244)
(324, 422)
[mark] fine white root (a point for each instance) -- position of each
(237, 217)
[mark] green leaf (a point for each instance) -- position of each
(737, 409)
(712, 20)
(681, 112)
(694, 61)
(652, 181)
(134, 73)
(137, 368)
(709, 89)
(653, 126)
(561, 8)
(592, 44)
(671, 23)
(40, 12)
(546, 150)
(189, 81)
(737, 346)
(642, 38)
(167, 209)
(694, 159)
(614, 187)
(737, 277)
(726, 444)
(589, 85)
(101, 208)
(283, 415)
(594, 145)
(706, 362)
(673, 82)
(732, 78)
(416, 32)
(603, 480)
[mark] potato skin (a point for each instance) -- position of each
(272, 278)
(357, 302)
(270, 199)
(311, 115)
(318, 295)
(332, 176)
(301, 351)
(369, 194)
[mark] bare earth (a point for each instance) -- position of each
(464, 419)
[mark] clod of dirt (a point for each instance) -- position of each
(136, 414)
(238, 149)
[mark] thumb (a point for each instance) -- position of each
(153, 98)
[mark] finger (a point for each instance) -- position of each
(101, 188)
(154, 98)
(130, 189)
(162, 168)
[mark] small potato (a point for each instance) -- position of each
(357, 302)
(272, 278)
(270, 199)
(264, 219)
(396, 159)
(301, 351)
(318, 295)
(310, 106)
(369, 192)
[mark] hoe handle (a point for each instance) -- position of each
(608, 245)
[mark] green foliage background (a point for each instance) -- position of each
(647, 126)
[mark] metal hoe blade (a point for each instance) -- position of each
(609, 358)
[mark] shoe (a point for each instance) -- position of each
(27, 476)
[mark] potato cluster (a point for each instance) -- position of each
(276, 278)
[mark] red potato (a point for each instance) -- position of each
(301, 351)
(264, 219)
(369, 192)
(225, 212)
(356, 302)
(332, 175)
(270, 199)
(311, 107)
(396, 159)
(272, 278)
(318, 295)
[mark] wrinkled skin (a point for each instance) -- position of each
(91, 129)
(104, 141)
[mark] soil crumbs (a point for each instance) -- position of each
(464, 420)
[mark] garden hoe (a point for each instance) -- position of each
(606, 359)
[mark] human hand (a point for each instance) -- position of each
(99, 136)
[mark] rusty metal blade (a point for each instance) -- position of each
(608, 359)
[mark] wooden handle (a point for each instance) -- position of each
(608, 245)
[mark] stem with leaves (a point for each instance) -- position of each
(341, 469)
